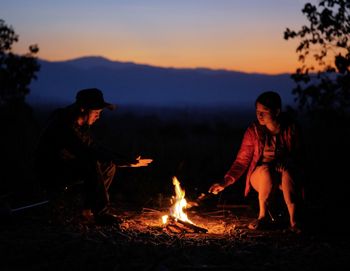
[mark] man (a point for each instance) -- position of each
(270, 154)
(67, 153)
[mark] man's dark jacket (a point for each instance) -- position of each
(64, 145)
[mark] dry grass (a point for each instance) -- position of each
(141, 242)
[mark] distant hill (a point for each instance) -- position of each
(135, 84)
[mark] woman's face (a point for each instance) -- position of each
(264, 114)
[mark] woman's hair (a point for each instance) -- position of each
(270, 99)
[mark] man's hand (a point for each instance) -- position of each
(140, 162)
(216, 188)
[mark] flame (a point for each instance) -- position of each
(165, 219)
(179, 204)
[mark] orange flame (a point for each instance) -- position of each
(179, 204)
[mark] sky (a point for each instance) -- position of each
(239, 35)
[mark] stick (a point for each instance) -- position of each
(200, 200)
(232, 206)
(150, 210)
(30, 206)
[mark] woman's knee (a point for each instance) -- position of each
(261, 180)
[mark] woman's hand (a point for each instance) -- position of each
(216, 188)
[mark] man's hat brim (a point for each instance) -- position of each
(110, 106)
(92, 98)
(101, 106)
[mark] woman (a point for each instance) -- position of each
(270, 152)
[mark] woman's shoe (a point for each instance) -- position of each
(295, 229)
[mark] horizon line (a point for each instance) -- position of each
(165, 67)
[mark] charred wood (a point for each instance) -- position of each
(178, 225)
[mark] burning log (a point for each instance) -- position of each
(189, 227)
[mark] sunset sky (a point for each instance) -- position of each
(219, 34)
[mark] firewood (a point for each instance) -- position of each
(190, 227)
(174, 228)
(193, 227)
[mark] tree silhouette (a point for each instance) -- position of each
(323, 90)
(323, 80)
(19, 129)
(16, 71)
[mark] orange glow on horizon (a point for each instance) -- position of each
(267, 59)
(263, 65)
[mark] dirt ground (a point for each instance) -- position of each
(33, 240)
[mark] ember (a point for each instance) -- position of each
(178, 220)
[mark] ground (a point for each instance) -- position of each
(34, 240)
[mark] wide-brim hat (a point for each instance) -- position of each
(92, 98)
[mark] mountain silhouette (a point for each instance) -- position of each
(129, 83)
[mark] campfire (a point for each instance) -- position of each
(177, 221)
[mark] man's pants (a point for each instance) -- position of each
(96, 177)
(97, 181)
